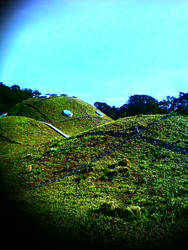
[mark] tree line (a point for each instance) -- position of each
(144, 104)
(10, 96)
(137, 104)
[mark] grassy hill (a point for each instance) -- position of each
(20, 136)
(130, 192)
(24, 131)
(50, 110)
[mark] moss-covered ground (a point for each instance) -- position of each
(134, 197)
(50, 110)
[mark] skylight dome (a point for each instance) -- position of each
(67, 112)
(3, 115)
(99, 113)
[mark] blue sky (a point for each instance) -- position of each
(98, 50)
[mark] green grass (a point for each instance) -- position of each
(21, 137)
(135, 197)
(25, 130)
(49, 110)
(22, 134)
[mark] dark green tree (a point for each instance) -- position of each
(181, 103)
(142, 104)
(10, 96)
(178, 105)
(123, 110)
(112, 112)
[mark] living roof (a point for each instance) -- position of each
(50, 110)
(133, 196)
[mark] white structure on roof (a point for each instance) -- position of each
(56, 129)
(99, 113)
(67, 112)
(3, 115)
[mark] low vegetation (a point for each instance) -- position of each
(50, 110)
(132, 197)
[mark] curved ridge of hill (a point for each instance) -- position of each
(50, 110)
(20, 134)
(24, 131)
(134, 197)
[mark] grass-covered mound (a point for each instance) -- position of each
(19, 135)
(50, 110)
(24, 131)
(132, 197)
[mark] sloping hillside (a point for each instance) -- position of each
(50, 110)
(129, 189)
(19, 135)
(24, 131)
